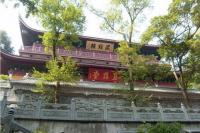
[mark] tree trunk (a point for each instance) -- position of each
(183, 89)
(56, 92)
(131, 85)
(186, 98)
(130, 34)
(54, 52)
(181, 85)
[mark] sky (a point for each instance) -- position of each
(9, 21)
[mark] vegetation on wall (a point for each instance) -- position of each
(160, 128)
(4, 77)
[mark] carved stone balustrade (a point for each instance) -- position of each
(85, 111)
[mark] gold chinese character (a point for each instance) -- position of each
(100, 46)
(105, 75)
(93, 46)
(115, 77)
(107, 47)
(95, 75)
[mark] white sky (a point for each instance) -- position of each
(9, 21)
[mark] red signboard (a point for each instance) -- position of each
(104, 75)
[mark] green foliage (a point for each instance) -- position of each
(41, 130)
(122, 15)
(194, 61)
(46, 93)
(138, 99)
(166, 128)
(63, 20)
(66, 71)
(127, 52)
(136, 64)
(156, 71)
(178, 32)
(4, 77)
(121, 18)
(179, 25)
(5, 42)
(139, 67)
(144, 128)
(132, 96)
(63, 71)
(160, 128)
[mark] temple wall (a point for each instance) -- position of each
(30, 97)
(76, 127)
(88, 127)
(23, 93)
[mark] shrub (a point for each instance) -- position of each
(160, 128)
(4, 77)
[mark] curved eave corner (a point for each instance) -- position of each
(29, 35)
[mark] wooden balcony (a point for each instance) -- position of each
(82, 111)
(75, 53)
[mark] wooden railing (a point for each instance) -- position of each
(98, 112)
(78, 53)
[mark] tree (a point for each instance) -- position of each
(193, 65)
(5, 42)
(63, 20)
(176, 32)
(159, 128)
(157, 71)
(64, 71)
(121, 19)
(140, 67)
(136, 64)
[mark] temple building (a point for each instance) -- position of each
(94, 103)
(97, 61)
(96, 58)
(93, 55)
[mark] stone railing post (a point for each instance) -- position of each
(39, 107)
(105, 110)
(73, 109)
(161, 111)
(134, 116)
(3, 104)
(184, 111)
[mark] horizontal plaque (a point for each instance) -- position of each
(99, 46)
